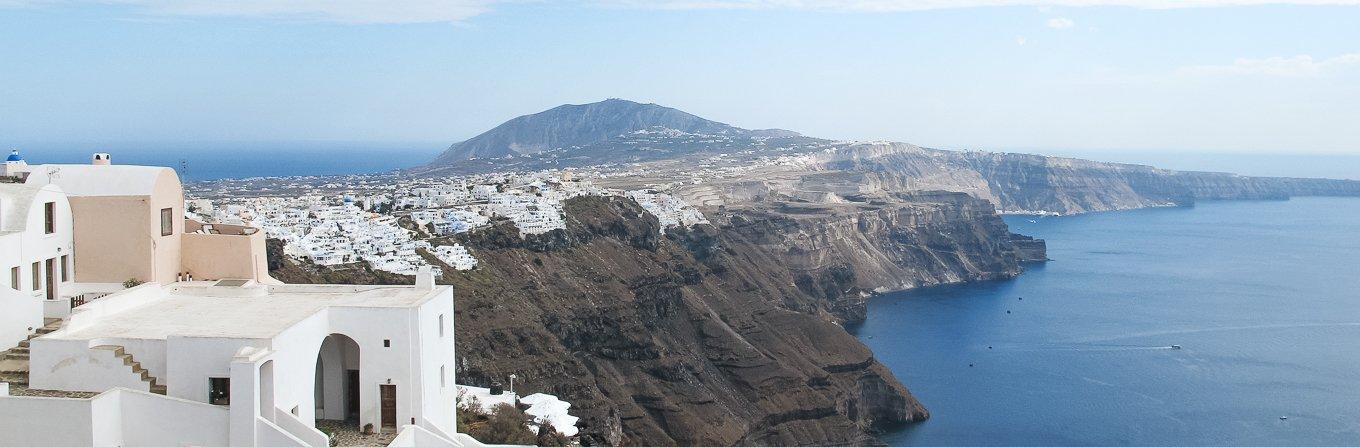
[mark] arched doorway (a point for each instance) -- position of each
(337, 379)
(266, 382)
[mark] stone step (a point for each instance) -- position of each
(24, 344)
(21, 379)
(10, 355)
(158, 389)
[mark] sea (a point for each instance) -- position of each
(1262, 298)
(201, 161)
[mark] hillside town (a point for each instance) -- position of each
(386, 226)
(130, 307)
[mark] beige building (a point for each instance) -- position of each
(129, 224)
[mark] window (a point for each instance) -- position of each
(441, 325)
(37, 276)
(219, 391)
(14, 278)
(387, 343)
(49, 217)
(441, 376)
(167, 221)
(65, 268)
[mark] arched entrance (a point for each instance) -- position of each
(337, 379)
(266, 382)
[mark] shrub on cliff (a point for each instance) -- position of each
(506, 424)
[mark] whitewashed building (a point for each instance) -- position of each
(35, 252)
(234, 363)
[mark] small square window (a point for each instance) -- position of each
(387, 343)
(219, 391)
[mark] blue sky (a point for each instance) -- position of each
(1220, 77)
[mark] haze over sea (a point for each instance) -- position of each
(219, 160)
(199, 161)
(1261, 295)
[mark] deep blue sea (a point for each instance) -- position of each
(212, 161)
(1263, 296)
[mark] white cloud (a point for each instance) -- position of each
(1297, 66)
(920, 5)
(1061, 23)
(343, 11)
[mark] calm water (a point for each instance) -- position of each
(211, 161)
(1264, 297)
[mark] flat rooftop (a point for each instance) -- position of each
(204, 309)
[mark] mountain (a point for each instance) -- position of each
(674, 144)
(572, 128)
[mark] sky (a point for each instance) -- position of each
(1234, 76)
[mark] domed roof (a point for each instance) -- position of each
(14, 156)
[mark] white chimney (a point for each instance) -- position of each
(100, 159)
(425, 278)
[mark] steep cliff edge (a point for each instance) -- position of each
(1024, 183)
(716, 335)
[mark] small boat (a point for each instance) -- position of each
(1175, 346)
(1284, 418)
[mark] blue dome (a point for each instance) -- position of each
(14, 156)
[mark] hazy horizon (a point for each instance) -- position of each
(359, 156)
(1120, 75)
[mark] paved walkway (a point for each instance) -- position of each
(348, 435)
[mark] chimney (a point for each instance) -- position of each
(425, 278)
(100, 159)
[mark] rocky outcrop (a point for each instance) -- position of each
(1024, 183)
(717, 335)
(916, 239)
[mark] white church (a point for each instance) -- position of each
(220, 362)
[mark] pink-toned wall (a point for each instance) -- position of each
(118, 238)
(168, 193)
(225, 256)
(111, 238)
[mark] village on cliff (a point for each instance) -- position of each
(137, 317)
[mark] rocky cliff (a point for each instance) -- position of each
(1028, 183)
(717, 335)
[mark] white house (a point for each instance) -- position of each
(242, 364)
(35, 253)
(129, 224)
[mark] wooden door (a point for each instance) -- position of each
(51, 271)
(388, 396)
(352, 395)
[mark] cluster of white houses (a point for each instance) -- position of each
(346, 228)
(208, 350)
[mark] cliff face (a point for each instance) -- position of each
(1039, 184)
(720, 335)
(717, 335)
(917, 239)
